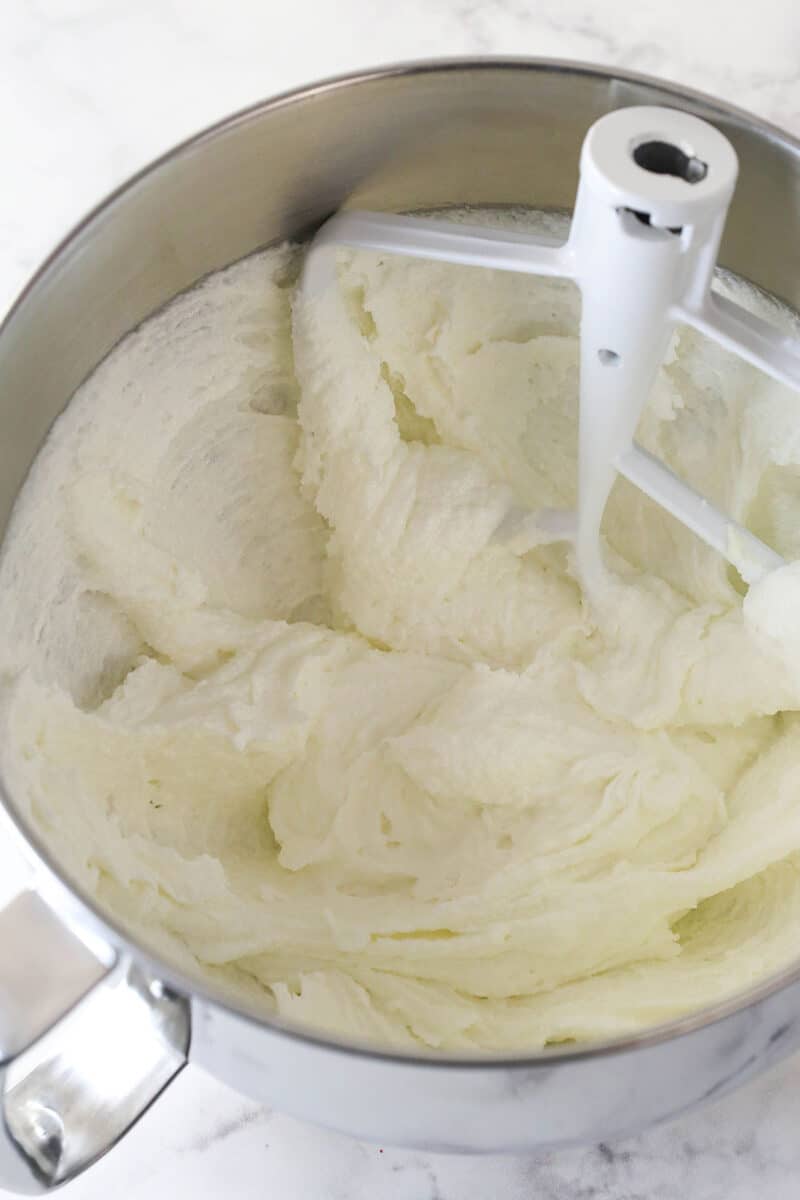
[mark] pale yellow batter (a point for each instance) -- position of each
(291, 684)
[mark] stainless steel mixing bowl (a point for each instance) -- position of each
(418, 136)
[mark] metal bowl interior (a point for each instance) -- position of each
(417, 136)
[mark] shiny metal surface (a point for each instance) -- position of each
(419, 136)
(34, 997)
(87, 1042)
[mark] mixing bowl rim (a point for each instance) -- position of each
(106, 925)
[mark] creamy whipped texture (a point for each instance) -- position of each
(293, 685)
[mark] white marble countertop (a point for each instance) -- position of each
(90, 90)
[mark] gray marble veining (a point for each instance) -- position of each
(91, 90)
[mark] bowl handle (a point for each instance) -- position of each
(87, 1041)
